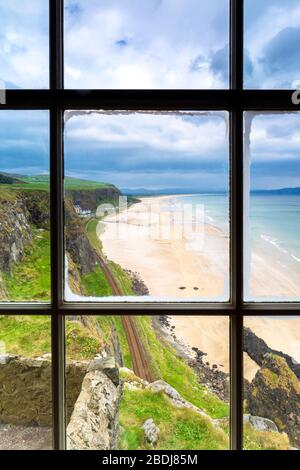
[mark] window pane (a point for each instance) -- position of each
(146, 206)
(24, 206)
(24, 44)
(272, 206)
(149, 44)
(25, 383)
(272, 32)
(173, 373)
(272, 383)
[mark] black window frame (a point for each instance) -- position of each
(236, 100)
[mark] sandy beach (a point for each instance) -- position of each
(192, 263)
(211, 335)
(175, 260)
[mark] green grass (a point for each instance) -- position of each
(180, 428)
(42, 182)
(121, 277)
(264, 440)
(30, 336)
(91, 231)
(95, 284)
(26, 335)
(166, 364)
(30, 279)
(81, 343)
(106, 323)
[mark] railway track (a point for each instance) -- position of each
(139, 358)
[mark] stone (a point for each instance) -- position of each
(25, 389)
(93, 424)
(176, 399)
(261, 424)
(108, 366)
(151, 431)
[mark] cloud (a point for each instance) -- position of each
(151, 150)
(24, 44)
(282, 53)
(271, 41)
(153, 44)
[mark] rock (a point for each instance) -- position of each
(256, 348)
(108, 366)
(261, 424)
(94, 424)
(151, 431)
(275, 394)
(176, 399)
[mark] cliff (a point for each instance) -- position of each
(89, 199)
(275, 394)
(257, 348)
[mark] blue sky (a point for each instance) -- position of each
(152, 150)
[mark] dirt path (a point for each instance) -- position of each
(138, 355)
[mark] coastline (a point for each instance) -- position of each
(166, 264)
(147, 239)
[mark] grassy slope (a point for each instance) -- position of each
(179, 428)
(96, 283)
(166, 364)
(30, 279)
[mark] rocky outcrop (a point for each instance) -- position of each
(78, 247)
(260, 424)
(257, 348)
(25, 389)
(19, 213)
(94, 421)
(90, 199)
(275, 394)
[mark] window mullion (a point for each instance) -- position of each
(57, 239)
(236, 221)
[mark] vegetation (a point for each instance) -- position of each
(179, 428)
(30, 279)
(26, 335)
(166, 364)
(264, 440)
(95, 284)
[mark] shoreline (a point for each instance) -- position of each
(147, 239)
(166, 265)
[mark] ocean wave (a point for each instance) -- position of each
(296, 258)
(274, 242)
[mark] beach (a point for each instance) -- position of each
(192, 264)
(148, 239)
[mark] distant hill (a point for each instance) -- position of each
(42, 182)
(8, 179)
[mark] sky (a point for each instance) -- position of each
(153, 151)
(151, 44)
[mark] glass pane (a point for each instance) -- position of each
(25, 383)
(146, 198)
(272, 383)
(272, 206)
(24, 206)
(149, 44)
(272, 32)
(24, 44)
(157, 381)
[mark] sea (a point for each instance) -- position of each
(274, 223)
